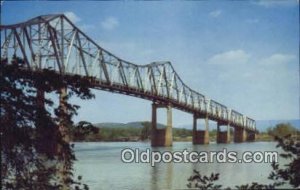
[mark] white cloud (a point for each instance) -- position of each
(215, 13)
(110, 23)
(260, 83)
(72, 16)
(278, 58)
(230, 57)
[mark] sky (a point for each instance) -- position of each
(243, 54)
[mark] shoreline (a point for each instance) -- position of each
(261, 140)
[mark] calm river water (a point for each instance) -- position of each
(101, 167)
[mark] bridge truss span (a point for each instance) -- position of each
(54, 42)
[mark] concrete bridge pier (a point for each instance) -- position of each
(251, 136)
(161, 137)
(240, 134)
(223, 136)
(200, 136)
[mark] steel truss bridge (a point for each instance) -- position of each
(54, 42)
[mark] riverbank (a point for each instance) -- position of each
(141, 131)
(259, 138)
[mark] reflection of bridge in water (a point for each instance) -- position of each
(54, 42)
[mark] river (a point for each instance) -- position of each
(101, 167)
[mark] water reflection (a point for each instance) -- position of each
(162, 173)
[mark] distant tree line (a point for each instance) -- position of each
(283, 129)
(120, 133)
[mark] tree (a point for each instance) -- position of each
(146, 131)
(281, 130)
(33, 149)
(82, 130)
(203, 182)
(291, 172)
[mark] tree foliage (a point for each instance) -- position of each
(203, 182)
(291, 172)
(34, 151)
(83, 129)
(281, 130)
(146, 131)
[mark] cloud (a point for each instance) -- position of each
(278, 58)
(72, 16)
(215, 13)
(110, 23)
(276, 79)
(230, 57)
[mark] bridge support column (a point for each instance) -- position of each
(161, 137)
(228, 134)
(200, 136)
(240, 134)
(223, 136)
(251, 136)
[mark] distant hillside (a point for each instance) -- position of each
(261, 125)
(109, 125)
(136, 124)
(133, 131)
